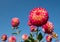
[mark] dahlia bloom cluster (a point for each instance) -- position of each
(38, 17)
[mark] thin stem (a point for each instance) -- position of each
(3, 41)
(32, 34)
(37, 33)
(18, 34)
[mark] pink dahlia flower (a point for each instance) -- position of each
(4, 37)
(32, 28)
(49, 38)
(12, 39)
(15, 22)
(38, 16)
(48, 27)
(24, 36)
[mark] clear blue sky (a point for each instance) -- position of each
(21, 9)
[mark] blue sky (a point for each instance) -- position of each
(21, 9)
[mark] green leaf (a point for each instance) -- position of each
(31, 35)
(26, 41)
(31, 38)
(40, 36)
(14, 33)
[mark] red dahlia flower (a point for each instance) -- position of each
(15, 22)
(4, 37)
(29, 23)
(12, 39)
(38, 16)
(49, 38)
(48, 27)
(24, 36)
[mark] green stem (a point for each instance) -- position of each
(3, 41)
(37, 33)
(32, 34)
(18, 34)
